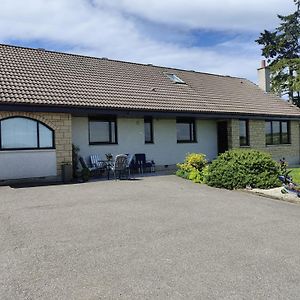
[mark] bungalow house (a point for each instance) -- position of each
(51, 100)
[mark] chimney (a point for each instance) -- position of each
(264, 79)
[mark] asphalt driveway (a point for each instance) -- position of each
(159, 237)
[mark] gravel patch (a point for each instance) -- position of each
(277, 194)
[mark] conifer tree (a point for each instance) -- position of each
(281, 48)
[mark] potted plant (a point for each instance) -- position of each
(75, 157)
(109, 157)
(66, 172)
(85, 174)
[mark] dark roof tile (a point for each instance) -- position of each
(31, 76)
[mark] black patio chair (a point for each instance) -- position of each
(142, 164)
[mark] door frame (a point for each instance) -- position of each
(222, 129)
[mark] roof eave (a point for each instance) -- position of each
(82, 111)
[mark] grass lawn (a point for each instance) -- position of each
(295, 174)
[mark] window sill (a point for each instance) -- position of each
(102, 143)
(245, 146)
(26, 149)
(186, 142)
(149, 143)
(276, 145)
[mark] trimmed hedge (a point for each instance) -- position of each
(239, 168)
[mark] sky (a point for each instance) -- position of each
(203, 35)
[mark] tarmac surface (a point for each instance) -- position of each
(157, 237)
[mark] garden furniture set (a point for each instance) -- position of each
(122, 164)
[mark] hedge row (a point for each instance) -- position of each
(234, 169)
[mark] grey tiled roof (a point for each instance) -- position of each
(39, 77)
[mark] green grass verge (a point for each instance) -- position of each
(295, 174)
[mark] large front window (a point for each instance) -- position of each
(24, 133)
(102, 131)
(277, 132)
(186, 131)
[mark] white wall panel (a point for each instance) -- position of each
(27, 164)
(164, 151)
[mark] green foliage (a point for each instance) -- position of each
(285, 77)
(205, 173)
(192, 167)
(196, 160)
(239, 168)
(196, 176)
(282, 50)
(295, 174)
(75, 152)
(283, 168)
(85, 174)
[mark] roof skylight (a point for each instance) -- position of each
(175, 78)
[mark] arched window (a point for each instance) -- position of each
(17, 133)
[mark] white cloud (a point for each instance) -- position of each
(214, 14)
(111, 29)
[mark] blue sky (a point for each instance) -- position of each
(210, 36)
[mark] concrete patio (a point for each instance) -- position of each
(158, 237)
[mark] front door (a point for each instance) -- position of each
(222, 137)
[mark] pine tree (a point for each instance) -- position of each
(281, 48)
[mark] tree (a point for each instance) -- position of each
(281, 48)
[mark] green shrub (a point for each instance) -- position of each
(85, 174)
(192, 167)
(239, 168)
(196, 160)
(195, 175)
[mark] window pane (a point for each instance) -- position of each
(99, 131)
(243, 133)
(268, 133)
(175, 78)
(285, 133)
(113, 131)
(276, 132)
(46, 137)
(193, 137)
(183, 132)
(18, 133)
(147, 129)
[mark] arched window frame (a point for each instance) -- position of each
(38, 134)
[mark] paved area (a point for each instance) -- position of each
(156, 238)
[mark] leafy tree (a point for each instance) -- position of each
(281, 48)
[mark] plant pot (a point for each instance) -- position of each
(66, 173)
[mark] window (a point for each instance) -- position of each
(25, 133)
(102, 131)
(148, 129)
(244, 133)
(285, 133)
(186, 131)
(175, 78)
(277, 132)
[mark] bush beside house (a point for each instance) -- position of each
(193, 167)
(234, 169)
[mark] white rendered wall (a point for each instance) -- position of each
(27, 164)
(164, 151)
